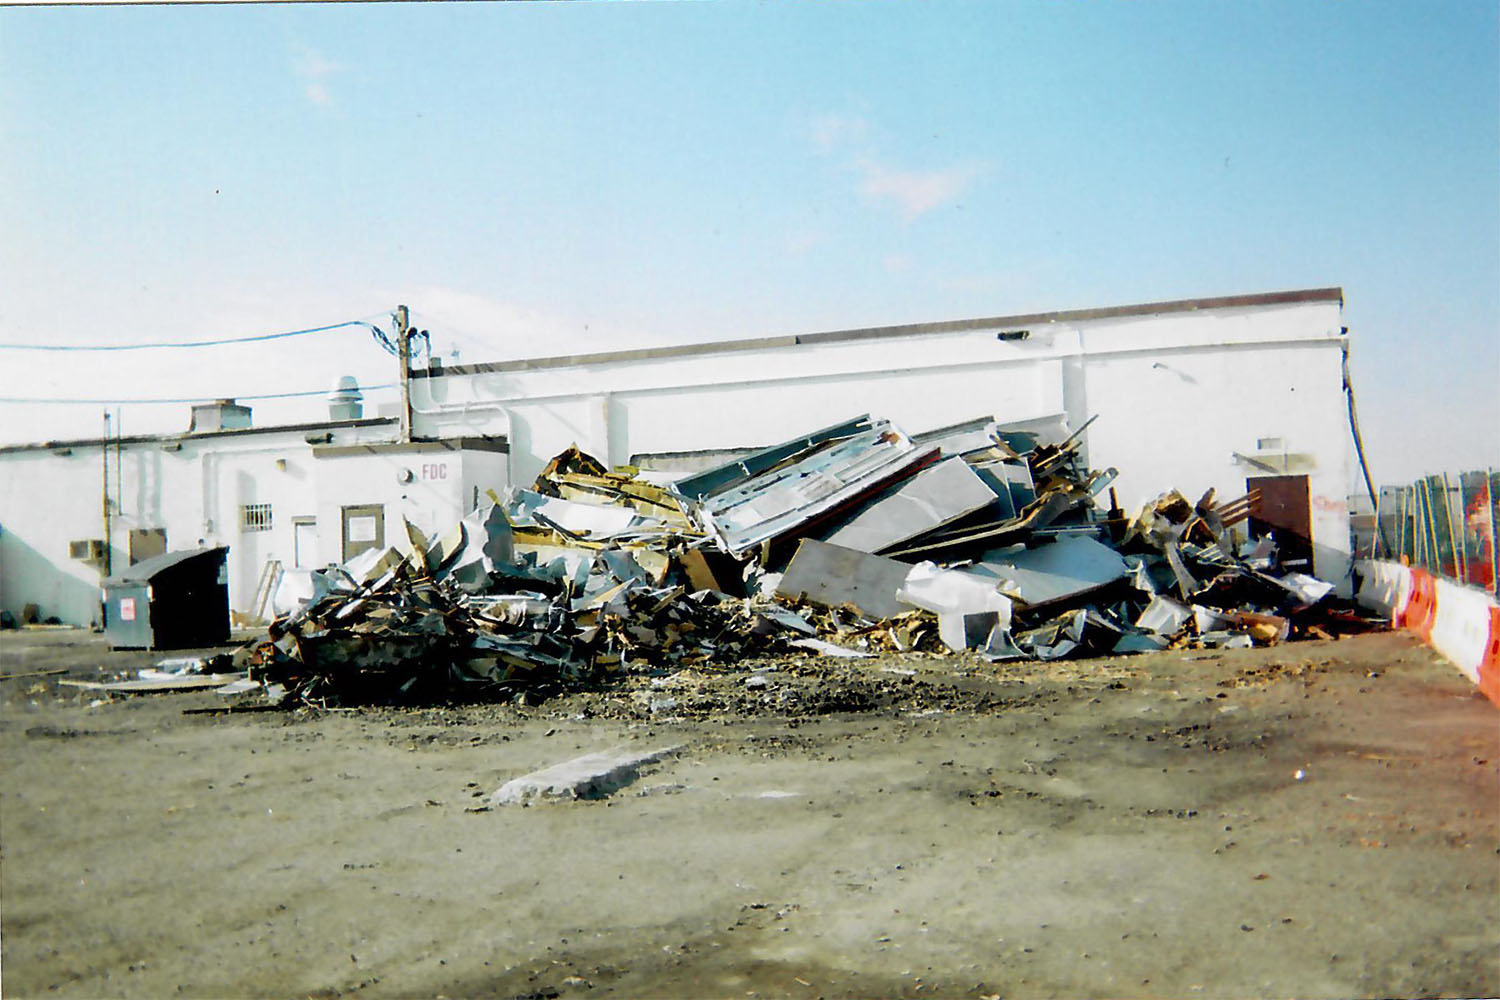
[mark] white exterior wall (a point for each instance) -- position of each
(1180, 426)
(426, 484)
(46, 500)
(1177, 394)
(193, 487)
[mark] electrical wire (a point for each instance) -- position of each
(183, 399)
(186, 343)
(417, 342)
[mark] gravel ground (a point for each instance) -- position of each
(1319, 819)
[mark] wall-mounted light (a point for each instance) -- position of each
(406, 476)
(281, 465)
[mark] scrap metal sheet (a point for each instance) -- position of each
(832, 576)
(936, 496)
(1071, 566)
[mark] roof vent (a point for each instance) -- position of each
(346, 402)
(220, 415)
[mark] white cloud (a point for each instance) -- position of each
(314, 69)
(800, 241)
(829, 132)
(915, 192)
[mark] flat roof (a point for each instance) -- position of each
(324, 425)
(422, 446)
(1333, 294)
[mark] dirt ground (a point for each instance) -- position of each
(1315, 820)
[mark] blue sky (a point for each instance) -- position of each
(539, 179)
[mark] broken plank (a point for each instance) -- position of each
(233, 709)
(190, 683)
(34, 673)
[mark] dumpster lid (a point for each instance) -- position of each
(146, 569)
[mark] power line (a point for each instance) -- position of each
(183, 399)
(186, 343)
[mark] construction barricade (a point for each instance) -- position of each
(1460, 622)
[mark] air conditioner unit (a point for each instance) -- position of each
(87, 549)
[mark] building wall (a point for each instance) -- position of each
(193, 487)
(1187, 399)
(1178, 396)
(760, 395)
(46, 499)
(428, 485)
(1180, 422)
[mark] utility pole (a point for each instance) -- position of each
(104, 473)
(403, 355)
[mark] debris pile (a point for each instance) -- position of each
(853, 540)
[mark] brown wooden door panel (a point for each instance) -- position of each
(1284, 512)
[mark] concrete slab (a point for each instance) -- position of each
(592, 776)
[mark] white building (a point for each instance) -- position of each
(1190, 394)
(269, 493)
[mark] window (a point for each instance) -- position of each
(255, 517)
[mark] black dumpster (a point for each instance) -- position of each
(177, 600)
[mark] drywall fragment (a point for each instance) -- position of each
(1164, 616)
(829, 649)
(969, 608)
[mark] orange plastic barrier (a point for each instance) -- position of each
(1489, 667)
(1462, 623)
(1420, 607)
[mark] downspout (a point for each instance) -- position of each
(1359, 444)
(104, 475)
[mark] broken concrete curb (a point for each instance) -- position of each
(591, 776)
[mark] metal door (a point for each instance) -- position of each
(363, 528)
(305, 542)
(1284, 512)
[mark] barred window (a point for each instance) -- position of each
(255, 517)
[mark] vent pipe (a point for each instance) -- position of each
(346, 402)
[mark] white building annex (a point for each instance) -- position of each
(1192, 395)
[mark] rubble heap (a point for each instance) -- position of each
(852, 540)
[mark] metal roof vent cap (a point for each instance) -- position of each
(346, 402)
(220, 415)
